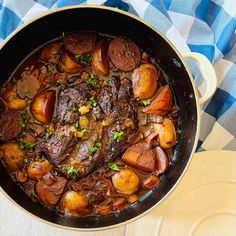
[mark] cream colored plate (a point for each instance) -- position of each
(203, 204)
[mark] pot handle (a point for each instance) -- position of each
(207, 71)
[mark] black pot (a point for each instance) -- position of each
(112, 22)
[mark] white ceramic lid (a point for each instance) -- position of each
(203, 204)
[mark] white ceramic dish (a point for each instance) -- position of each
(203, 204)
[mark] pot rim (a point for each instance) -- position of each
(49, 12)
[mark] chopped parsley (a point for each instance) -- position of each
(76, 124)
(146, 102)
(92, 102)
(42, 159)
(113, 166)
(72, 170)
(118, 136)
(48, 133)
(26, 144)
(91, 80)
(29, 101)
(84, 130)
(84, 59)
(25, 115)
(95, 147)
(26, 161)
(90, 158)
(59, 134)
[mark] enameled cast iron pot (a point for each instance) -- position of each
(112, 22)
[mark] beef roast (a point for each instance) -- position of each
(98, 146)
(70, 100)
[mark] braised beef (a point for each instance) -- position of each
(10, 126)
(50, 192)
(70, 100)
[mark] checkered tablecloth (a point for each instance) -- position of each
(204, 26)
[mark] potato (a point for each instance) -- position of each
(118, 204)
(42, 106)
(132, 198)
(150, 182)
(167, 134)
(21, 177)
(83, 122)
(36, 169)
(102, 210)
(50, 53)
(12, 156)
(50, 193)
(68, 64)
(126, 181)
(162, 103)
(145, 81)
(13, 102)
(162, 160)
(100, 63)
(140, 156)
(73, 202)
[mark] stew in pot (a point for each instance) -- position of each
(88, 123)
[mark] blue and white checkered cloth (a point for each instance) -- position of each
(204, 26)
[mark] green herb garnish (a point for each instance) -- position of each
(48, 133)
(84, 59)
(95, 147)
(22, 124)
(25, 115)
(72, 170)
(92, 102)
(26, 161)
(91, 80)
(113, 166)
(59, 134)
(146, 102)
(84, 130)
(76, 124)
(26, 144)
(42, 159)
(118, 136)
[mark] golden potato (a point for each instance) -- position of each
(126, 181)
(36, 169)
(68, 63)
(100, 61)
(13, 102)
(132, 198)
(12, 156)
(145, 81)
(73, 202)
(167, 134)
(162, 103)
(50, 53)
(42, 107)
